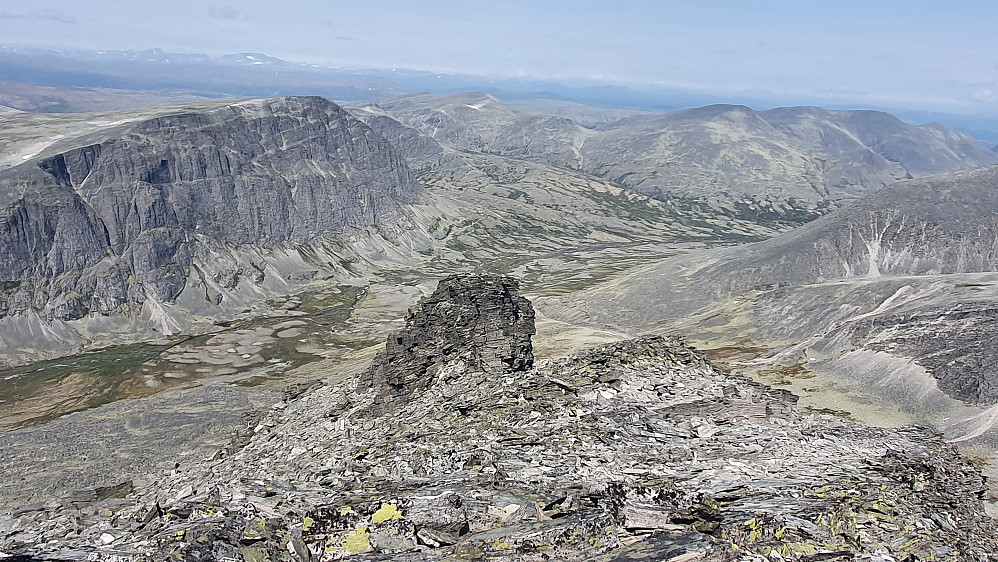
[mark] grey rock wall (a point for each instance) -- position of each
(103, 226)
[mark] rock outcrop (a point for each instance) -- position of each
(471, 323)
(100, 227)
(630, 451)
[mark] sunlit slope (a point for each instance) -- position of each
(894, 295)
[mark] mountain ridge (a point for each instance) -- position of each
(143, 201)
(631, 450)
(725, 157)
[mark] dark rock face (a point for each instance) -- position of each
(955, 345)
(109, 224)
(476, 323)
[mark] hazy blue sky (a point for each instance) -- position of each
(934, 55)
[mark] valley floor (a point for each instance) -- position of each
(75, 424)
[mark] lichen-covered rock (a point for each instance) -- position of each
(470, 324)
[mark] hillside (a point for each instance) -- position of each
(633, 450)
(775, 168)
(885, 307)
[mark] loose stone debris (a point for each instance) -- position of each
(454, 447)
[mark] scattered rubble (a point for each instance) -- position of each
(636, 450)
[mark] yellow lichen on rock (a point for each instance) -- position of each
(358, 541)
(253, 554)
(387, 512)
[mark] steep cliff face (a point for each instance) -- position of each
(103, 226)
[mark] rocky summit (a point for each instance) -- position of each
(636, 450)
(470, 323)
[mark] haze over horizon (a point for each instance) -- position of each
(928, 56)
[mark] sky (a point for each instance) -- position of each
(940, 56)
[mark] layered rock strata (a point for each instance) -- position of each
(99, 227)
(633, 450)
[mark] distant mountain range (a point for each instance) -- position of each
(782, 166)
(258, 75)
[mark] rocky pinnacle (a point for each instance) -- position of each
(471, 323)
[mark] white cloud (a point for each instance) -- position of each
(224, 12)
(987, 95)
(49, 15)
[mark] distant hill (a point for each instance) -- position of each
(479, 122)
(783, 166)
(810, 154)
(589, 116)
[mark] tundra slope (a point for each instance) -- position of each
(536, 202)
(808, 153)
